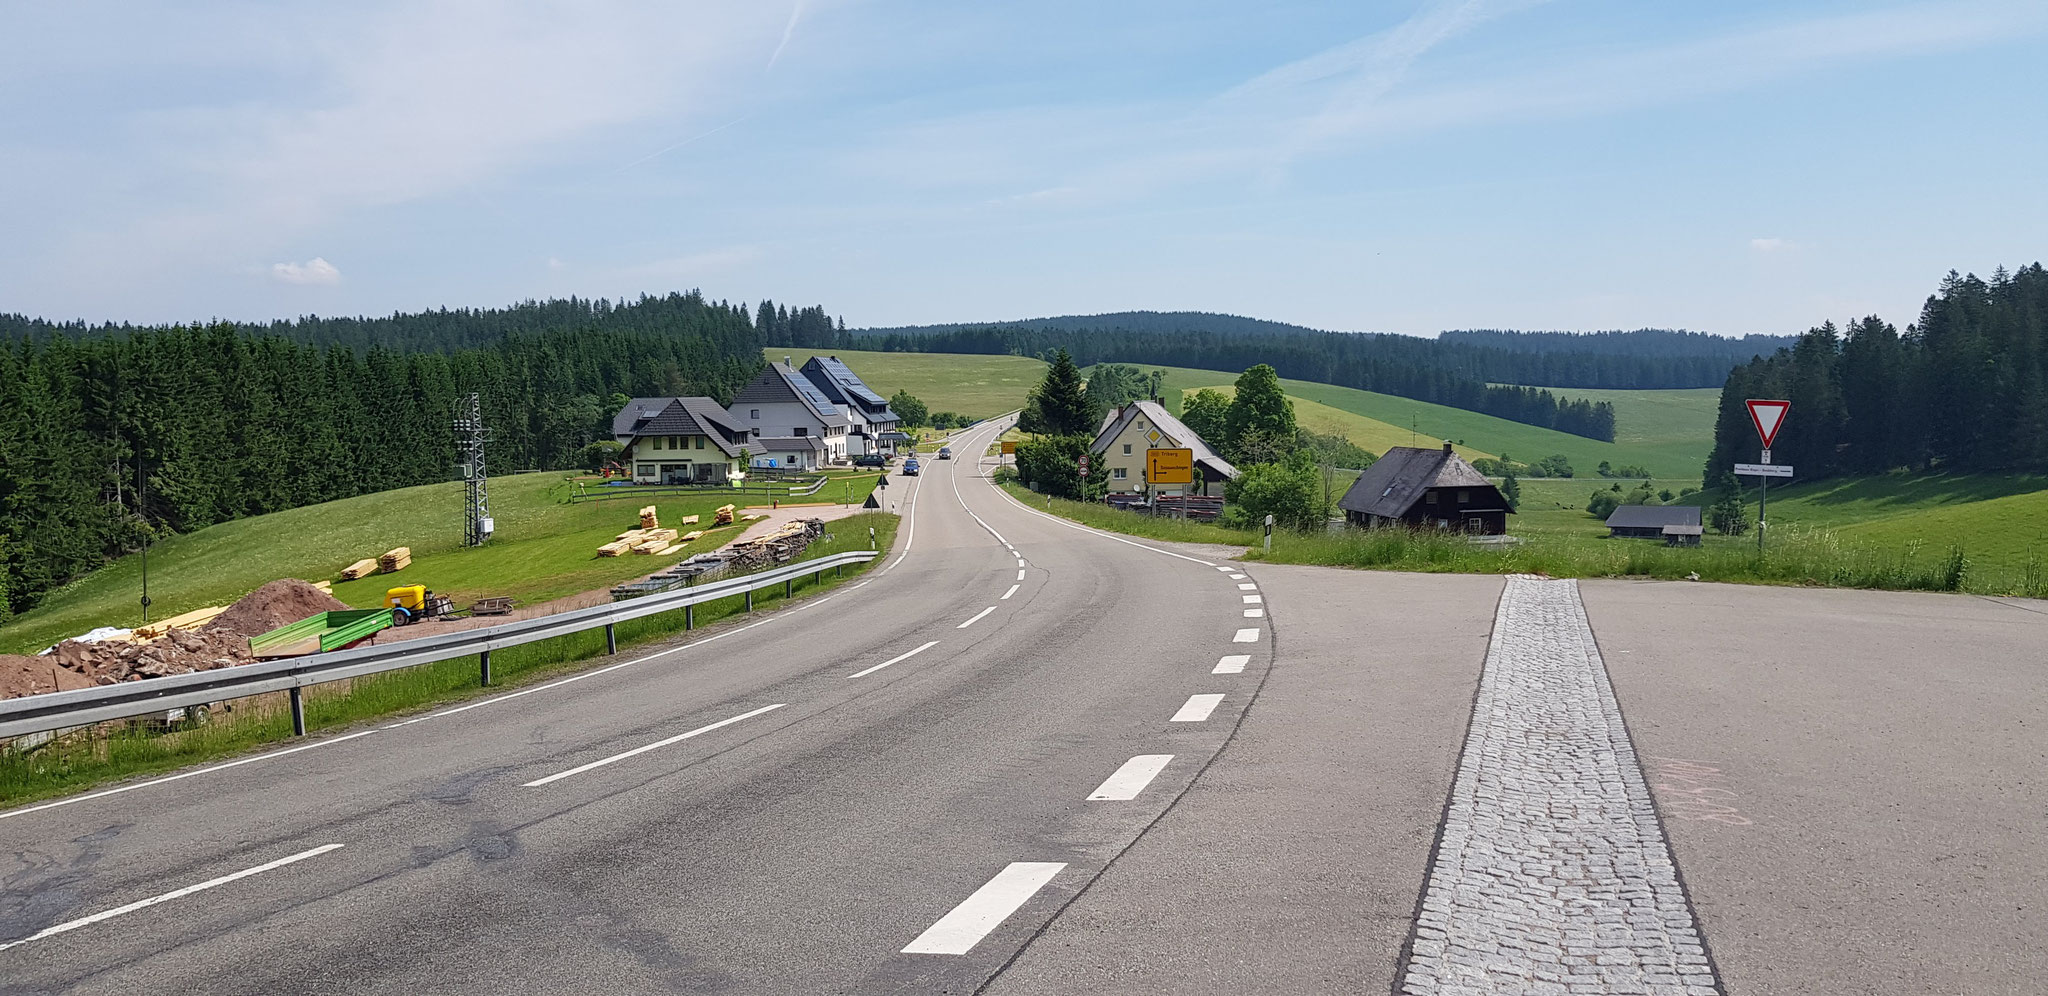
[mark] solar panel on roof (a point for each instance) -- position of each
(816, 396)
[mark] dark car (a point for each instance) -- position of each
(910, 467)
(945, 453)
(870, 460)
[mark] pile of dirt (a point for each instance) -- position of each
(224, 642)
(35, 675)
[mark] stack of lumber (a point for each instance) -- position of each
(648, 519)
(689, 520)
(395, 560)
(359, 569)
(614, 548)
(692, 534)
(638, 541)
(722, 517)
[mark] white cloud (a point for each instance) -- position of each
(315, 271)
(1771, 245)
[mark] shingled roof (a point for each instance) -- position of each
(679, 417)
(1173, 428)
(1653, 516)
(781, 383)
(1398, 479)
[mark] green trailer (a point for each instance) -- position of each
(316, 633)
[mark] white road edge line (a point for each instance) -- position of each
(86, 921)
(977, 618)
(960, 930)
(1131, 779)
(678, 738)
(893, 660)
(1197, 708)
(1012, 591)
(1232, 664)
(1246, 636)
(1254, 599)
(1226, 569)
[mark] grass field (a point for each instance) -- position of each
(974, 385)
(1368, 433)
(106, 752)
(544, 548)
(1664, 444)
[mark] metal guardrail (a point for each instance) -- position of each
(63, 710)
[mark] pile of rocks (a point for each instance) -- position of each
(224, 642)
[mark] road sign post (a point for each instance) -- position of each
(1768, 417)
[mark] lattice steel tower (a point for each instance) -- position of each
(470, 437)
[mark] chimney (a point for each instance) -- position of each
(785, 359)
(1447, 446)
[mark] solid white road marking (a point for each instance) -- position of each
(678, 738)
(1254, 599)
(1237, 577)
(977, 618)
(1020, 573)
(87, 921)
(1255, 613)
(1097, 532)
(1232, 664)
(1197, 708)
(172, 778)
(1246, 636)
(959, 931)
(1012, 591)
(1130, 779)
(892, 660)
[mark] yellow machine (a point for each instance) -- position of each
(410, 597)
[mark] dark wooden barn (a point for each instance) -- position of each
(1426, 489)
(1678, 525)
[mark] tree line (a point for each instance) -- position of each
(443, 330)
(1390, 364)
(155, 430)
(1963, 390)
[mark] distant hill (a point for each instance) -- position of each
(1636, 342)
(1133, 321)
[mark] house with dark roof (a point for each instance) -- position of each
(1424, 488)
(1676, 525)
(1129, 430)
(870, 424)
(678, 441)
(782, 404)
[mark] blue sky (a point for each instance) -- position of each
(1732, 167)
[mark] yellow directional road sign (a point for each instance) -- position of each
(1009, 446)
(1170, 466)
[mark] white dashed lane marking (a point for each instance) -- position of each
(1237, 577)
(1232, 664)
(1246, 636)
(1130, 779)
(87, 921)
(1197, 708)
(893, 660)
(678, 738)
(1255, 613)
(977, 617)
(1012, 591)
(1254, 599)
(1247, 586)
(1020, 574)
(959, 931)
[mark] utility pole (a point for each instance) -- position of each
(470, 437)
(142, 509)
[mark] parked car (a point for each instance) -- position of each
(870, 460)
(945, 453)
(910, 467)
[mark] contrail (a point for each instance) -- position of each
(678, 145)
(796, 12)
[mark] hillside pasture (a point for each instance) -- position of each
(970, 384)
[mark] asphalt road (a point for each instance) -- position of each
(798, 849)
(1026, 757)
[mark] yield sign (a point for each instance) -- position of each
(1768, 416)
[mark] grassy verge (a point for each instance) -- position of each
(86, 759)
(1131, 523)
(1811, 557)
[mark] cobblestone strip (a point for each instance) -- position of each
(1552, 875)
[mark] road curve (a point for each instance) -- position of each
(894, 787)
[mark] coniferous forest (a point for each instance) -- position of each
(114, 432)
(1407, 366)
(1964, 389)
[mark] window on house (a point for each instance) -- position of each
(800, 431)
(1118, 472)
(700, 442)
(1127, 449)
(754, 413)
(1464, 496)
(1430, 498)
(657, 442)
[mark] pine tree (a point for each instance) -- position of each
(1061, 404)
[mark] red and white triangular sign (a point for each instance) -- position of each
(1768, 416)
